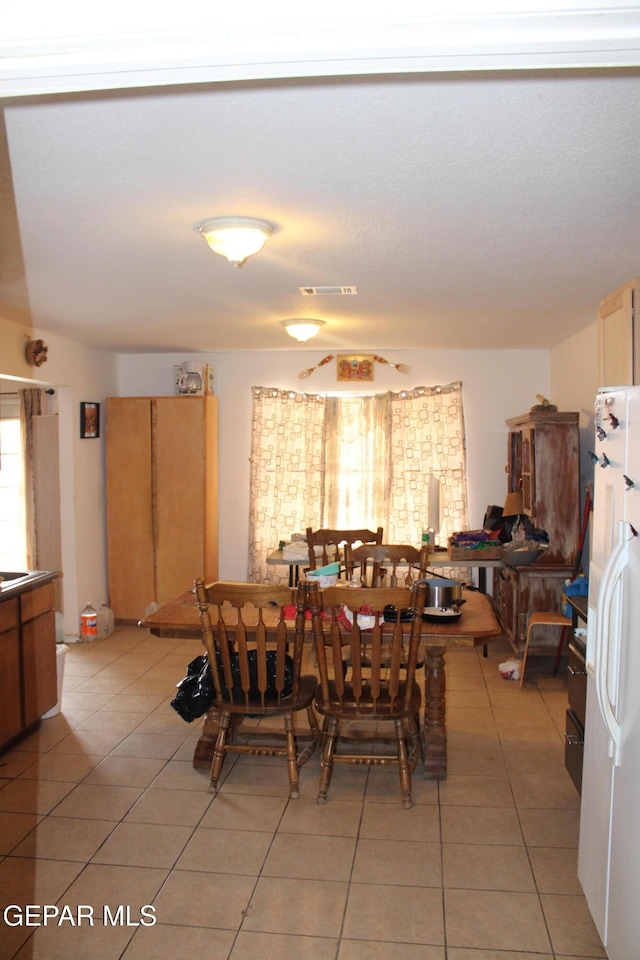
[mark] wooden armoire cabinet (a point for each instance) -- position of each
(162, 498)
(543, 461)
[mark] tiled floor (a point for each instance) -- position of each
(101, 806)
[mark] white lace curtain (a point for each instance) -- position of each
(353, 461)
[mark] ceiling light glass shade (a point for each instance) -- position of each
(302, 329)
(235, 238)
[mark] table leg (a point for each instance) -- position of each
(435, 730)
(203, 754)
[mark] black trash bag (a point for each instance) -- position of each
(196, 693)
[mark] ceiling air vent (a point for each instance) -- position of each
(319, 291)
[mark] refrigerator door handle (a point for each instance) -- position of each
(608, 644)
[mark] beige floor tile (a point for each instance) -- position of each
(502, 742)
(393, 913)
(264, 779)
(89, 742)
(64, 838)
(179, 807)
(402, 862)
(373, 950)
(336, 818)
(114, 885)
(468, 699)
(132, 703)
(98, 802)
(225, 851)
(149, 745)
(166, 942)
(143, 845)
(312, 908)
(46, 736)
(77, 667)
(33, 796)
(571, 928)
(73, 767)
(548, 828)
(151, 688)
(556, 870)
(164, 719)
(460, 953)
(476, 866)
(348, 783)
(531, 790)
(80, 942)
(14, 827)
(101, 684)
(126, 771)
(383, 786)
(24, 880)
(199, 899)
(471, 719)
(112, 721)
(477, 791)
(495, 920)
(486, 760)
(80, 699)
(275, 946)
(526, 756)
(181, 775)
(392, 822)
(310, 857)
(484, 825)
(13, 762)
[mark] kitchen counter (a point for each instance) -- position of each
(28, 671)
(15, 583)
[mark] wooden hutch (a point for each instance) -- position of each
(543, 462)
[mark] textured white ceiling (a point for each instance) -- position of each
(480, 211)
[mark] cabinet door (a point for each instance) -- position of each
(179, 493)
(129, 507)
(10, 712)
(39, 670)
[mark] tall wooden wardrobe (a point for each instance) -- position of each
(162, 498)
(543, 462)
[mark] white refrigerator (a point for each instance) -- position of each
(609, 850)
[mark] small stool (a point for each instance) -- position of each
(549, 620)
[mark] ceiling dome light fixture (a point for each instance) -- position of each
(302, 328)
(235, 238)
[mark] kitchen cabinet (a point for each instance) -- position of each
(543, 463)
(28, 670)
(162, 498)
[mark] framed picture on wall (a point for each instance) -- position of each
(354, 366)
(89, 420)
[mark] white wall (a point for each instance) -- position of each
(496, 385)
(574, 382)
(78, 373)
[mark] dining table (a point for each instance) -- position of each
(477, 624)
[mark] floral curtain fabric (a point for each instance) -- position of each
(353, 461)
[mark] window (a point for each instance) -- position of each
(353, 461)
(13, 535)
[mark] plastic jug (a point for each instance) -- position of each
(106, 621)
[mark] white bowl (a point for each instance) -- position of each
(324, 580)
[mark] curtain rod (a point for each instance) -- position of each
(16, 393)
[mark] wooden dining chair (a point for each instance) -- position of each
(379, 686)
(255, 658)
(333, 542)
(376, 565)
